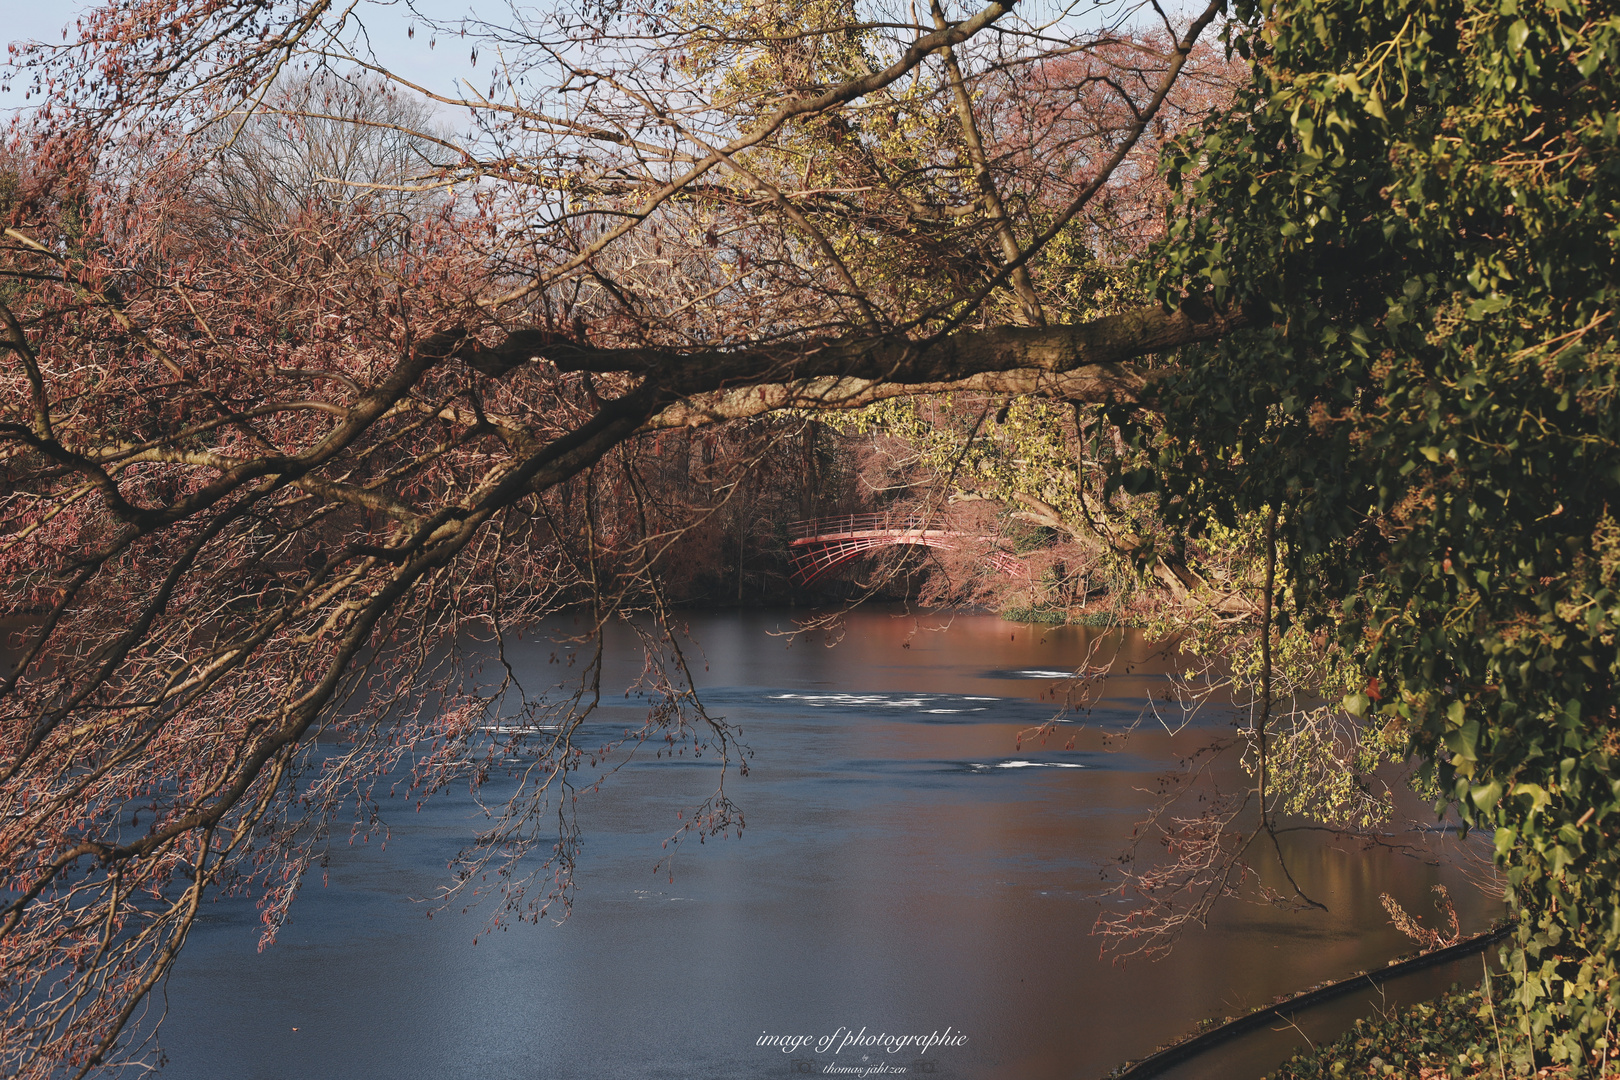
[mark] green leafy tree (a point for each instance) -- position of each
(1419, 199)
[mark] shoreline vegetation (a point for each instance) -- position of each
(1458, 1036)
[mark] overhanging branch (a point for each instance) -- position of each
(1098, 383)
(846, 373)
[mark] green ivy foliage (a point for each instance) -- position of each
(1420, 198)
(1455, 1036)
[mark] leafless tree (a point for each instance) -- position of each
(321, 145)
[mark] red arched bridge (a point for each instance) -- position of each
(821, 545)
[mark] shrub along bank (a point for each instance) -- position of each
(1462, 1034)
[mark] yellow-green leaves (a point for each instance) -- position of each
(1517, 35)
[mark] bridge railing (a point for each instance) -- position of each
(820, 545)
(852, 523)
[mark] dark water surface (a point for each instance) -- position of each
(905, 869)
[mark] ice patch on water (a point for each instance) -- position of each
(918, 705)
(518, 729)
(1045, 673)
(850, 700)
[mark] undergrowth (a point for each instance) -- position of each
(1461, 1034)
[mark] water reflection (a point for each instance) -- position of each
(907, 867)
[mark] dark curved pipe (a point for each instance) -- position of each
(1175, 1054)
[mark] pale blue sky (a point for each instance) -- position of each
(387, 23)
(35, 20)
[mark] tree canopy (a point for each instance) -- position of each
(284, 415)
(1423, 197)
